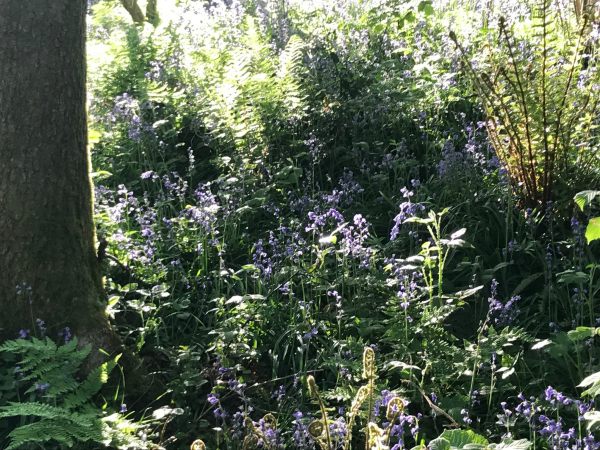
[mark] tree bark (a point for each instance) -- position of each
(152, 13)
(134, 10)
(48, 264)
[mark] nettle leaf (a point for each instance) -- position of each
(593, 230)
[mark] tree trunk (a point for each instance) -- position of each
(138, 16)
(134, 10)
(48, 264)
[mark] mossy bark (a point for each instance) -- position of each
(46, 225)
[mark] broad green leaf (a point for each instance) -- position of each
(593, 230)
(94, 136)
(593, 381)
(593, 418)
(377, 29)
(584, 198)
(468, 292)
(458, 233)
(572, 277)
(581, 333)
(401, 365)
(439, 444)
(419, 220)
(329, 239)
(159, 123)
(100, 175)
(235, 300)
(460, 439)
(541, 344)
(425, 7)
(590, 379)
(521, 444)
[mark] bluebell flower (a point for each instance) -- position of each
(407, 210)
(41, 326)
(213, 399)
(220, 413)
(23, 334)
(65, 335)
(279, 393)
(502, 314)
(465, 417)
(433, 398)
(549, 393)
(311, 334)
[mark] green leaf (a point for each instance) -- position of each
(468, 292)
(419, 220)
(439, 444)
(288, 175)
(584, 198)
(426, 8)
(590, 379)
(593, 230)
(377, 29)
(100, 175)
(572, 277)
(593, 381)
(459, 439)
(541, 344)
(593, 418)
(521, 444)
(526, 282)
(581, 333)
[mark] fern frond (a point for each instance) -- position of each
(39, 433)
(289, 75)
(24, 346)
(63, 431)
(92, 384)
(35, 409)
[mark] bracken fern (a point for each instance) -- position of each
(63, 414)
